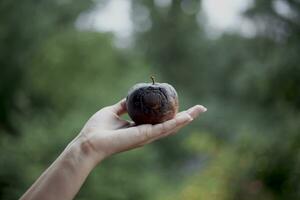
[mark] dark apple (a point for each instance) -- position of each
(152, 103)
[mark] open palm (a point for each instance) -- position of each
(106, 133)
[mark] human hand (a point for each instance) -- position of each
(105, 133)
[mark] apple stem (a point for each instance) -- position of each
(153, 79)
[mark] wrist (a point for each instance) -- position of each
(86, 151)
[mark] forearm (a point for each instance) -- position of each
(63, 179)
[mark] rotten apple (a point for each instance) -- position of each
(152, 103)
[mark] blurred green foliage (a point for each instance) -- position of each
(54, 76)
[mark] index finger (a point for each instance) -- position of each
(170, 125)
(119, 108)
(145, 132)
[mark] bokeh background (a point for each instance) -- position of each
(62, 60)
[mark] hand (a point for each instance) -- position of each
(106, 133)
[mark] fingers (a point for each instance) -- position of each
(122, 124)
(170, 125)
(142, 133)
(196, 110)
(119, 108)
(139, 135)
(125, 124)
(168, 133)
(193, 112)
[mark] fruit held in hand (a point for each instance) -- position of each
(152, 103)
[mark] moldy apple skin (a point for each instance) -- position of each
(152, 103)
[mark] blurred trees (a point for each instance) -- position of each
(250, 86)
(53, 77)
(24, 25)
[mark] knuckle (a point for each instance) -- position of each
(164, 128)
(148, 132)
(143, 132)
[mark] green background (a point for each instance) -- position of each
(54, 76)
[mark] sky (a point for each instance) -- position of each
(226, 15)
(221, 15)
(114, 17)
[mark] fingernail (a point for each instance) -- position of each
(203, 109)
(199, 108)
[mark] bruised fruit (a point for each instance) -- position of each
(152, 103)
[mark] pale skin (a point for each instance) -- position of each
(104, 134)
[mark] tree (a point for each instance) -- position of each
(24, 25)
